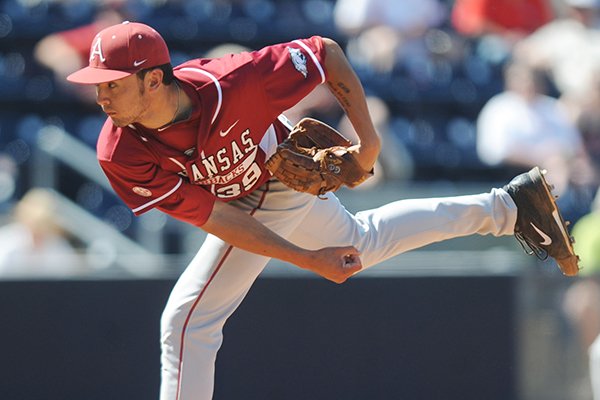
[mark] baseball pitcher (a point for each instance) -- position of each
(206, 143)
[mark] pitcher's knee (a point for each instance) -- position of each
(179, 326)
(171, 328)
(171, 319)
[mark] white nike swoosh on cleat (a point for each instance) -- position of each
(559, 222)
(224, 133)
(547, 240)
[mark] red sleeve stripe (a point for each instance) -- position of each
(164, 196)
(313, 57)
(217, 84)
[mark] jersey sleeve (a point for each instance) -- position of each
(133, 169)
(290, 71)
(145, 186)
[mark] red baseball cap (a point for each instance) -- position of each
(122, 50)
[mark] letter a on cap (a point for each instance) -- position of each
(97, 50)
(120, 51)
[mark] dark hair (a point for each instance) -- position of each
(167, 70)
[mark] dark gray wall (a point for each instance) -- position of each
(293, 338)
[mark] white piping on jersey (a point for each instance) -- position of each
(268, 143)
(217, 84)
(164, 196)
(178, 163)
(313, 57)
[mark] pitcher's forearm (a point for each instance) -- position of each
(245, 232)
(347, 89)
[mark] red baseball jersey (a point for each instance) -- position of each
(220, 151)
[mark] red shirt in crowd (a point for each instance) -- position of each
(476, 17)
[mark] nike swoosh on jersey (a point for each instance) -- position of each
(138, 63)
(225, 133)
(547, 240)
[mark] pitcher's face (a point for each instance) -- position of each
(123, 100)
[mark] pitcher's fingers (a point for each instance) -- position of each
(352, 263)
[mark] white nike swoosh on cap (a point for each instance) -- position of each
(138, 63)
(224, 133)
(547, 239)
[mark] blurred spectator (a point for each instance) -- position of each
(585, 176)
(588, 124)
(499, 24)
(524, 127)
(33, 244)
(581, 302)
(66, 51)
(569, 50)
(409, 17)
(581, 307)
(587, 239)
(582, 299)
(511, 19)
(587, 230)
(382, 31)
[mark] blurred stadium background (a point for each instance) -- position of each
(471, 318)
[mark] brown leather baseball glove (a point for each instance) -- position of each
(314, 158)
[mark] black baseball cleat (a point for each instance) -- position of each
(540, 227)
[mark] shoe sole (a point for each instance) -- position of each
(568, 265)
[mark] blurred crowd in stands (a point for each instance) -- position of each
(461, 91)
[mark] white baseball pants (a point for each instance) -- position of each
(219, 276)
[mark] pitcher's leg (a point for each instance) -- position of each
(207, 293)
(408, 224)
